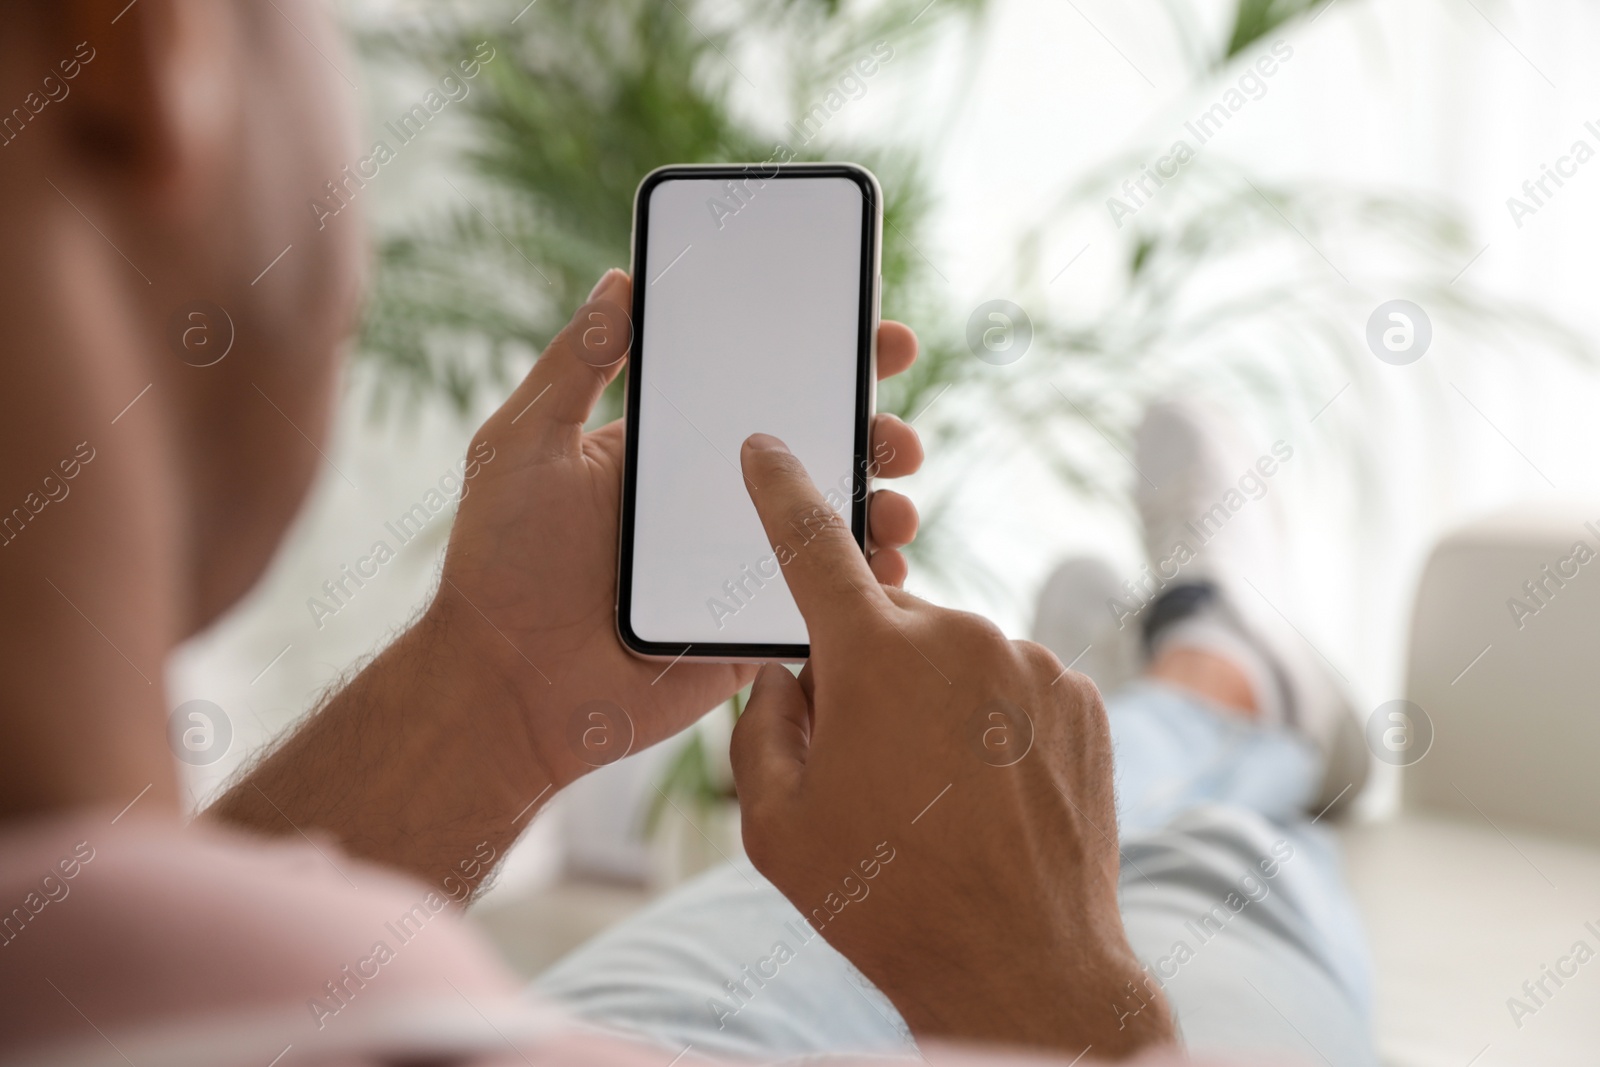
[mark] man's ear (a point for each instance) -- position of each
(156, 91)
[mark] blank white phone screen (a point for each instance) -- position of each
(751, 321)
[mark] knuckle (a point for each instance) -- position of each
(807, 521)
(907, 603)
(1081, 694)
(760, 842)
(1040, 661)
(979, 634)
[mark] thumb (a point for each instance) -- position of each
(770, 741)
(558, 394)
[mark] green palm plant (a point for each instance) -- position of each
(581, 103)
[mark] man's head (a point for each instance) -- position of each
(185, 149)
(173, 309)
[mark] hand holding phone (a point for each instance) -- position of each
(526, 603)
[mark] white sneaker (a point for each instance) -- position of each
(1213, 535)
(1072, 621)
(1200, 522)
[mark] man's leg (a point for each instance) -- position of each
(724, 963)
(1245, 925)
(1175, 749)
(1231, 896)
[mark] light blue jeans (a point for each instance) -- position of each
(1230, 896)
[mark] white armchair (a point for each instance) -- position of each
(1490, 876)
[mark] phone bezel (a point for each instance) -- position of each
(865, 399)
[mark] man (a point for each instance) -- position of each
(161, 155)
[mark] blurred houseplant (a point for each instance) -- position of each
(583, 101)
(1229, 274)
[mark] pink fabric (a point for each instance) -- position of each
(148, 942)
(118, 927)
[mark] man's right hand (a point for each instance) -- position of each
(937, 801)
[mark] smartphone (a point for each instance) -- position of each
(755, 309)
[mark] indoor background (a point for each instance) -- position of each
(1384, 157)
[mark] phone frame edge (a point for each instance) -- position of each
(869, 315)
